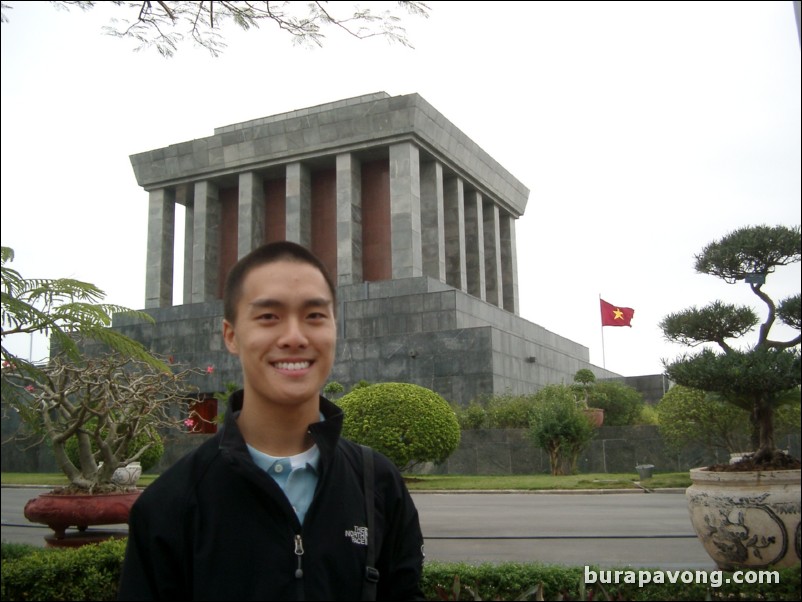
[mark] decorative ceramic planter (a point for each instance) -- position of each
(127, 475)
(747, 520)
(60, 512)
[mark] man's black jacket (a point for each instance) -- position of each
(216, 527)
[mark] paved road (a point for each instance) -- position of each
(613, 529)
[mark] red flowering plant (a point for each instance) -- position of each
(113, 406)
(99, 387)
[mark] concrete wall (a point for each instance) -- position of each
(481, 452)
(614, 449)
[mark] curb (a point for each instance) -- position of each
(475, 491)
(549, 491)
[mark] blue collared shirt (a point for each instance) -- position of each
(296, 475)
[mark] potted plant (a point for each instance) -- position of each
(746, 513)
(583, 382)
(104, 401)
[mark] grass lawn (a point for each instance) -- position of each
(454, 482)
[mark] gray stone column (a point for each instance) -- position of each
(433, 242)
(161, 238)
(189, 227)
(349, 219)
(492, 238)
(509, 262)
(454, 227)
(474, 244)
(251, 213)
(206, 242)
(405, 223)
(299, 204)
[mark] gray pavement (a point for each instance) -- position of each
(606, 529)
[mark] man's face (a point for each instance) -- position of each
(284, 333)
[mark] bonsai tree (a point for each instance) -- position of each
(583, 381)
(107, 400)
(763, 375)
(106, 403)
(408, 423)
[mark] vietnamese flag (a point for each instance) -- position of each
(613, 315)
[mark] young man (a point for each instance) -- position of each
(273, 507)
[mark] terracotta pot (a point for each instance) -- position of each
(595, 415)
(747, 520)
(60, 512)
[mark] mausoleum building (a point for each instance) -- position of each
(415, 221)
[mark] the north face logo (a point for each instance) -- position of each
(359, 535)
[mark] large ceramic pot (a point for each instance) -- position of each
(595, 415)
(747, 520)
(60, 512)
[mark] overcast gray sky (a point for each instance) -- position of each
(644, 130)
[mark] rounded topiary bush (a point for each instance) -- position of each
(408, 423)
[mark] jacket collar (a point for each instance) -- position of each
(325, 433)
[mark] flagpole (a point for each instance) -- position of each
(604, 357)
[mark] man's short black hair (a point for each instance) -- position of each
(269, 253)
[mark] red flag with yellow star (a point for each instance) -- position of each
(614, 315)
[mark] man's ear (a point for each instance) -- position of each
(229, 338)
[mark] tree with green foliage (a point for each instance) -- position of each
(104, 400)
(408, 423)
(694, 417)
(559, 427)
(164, 25)
(622, 404)
(764, 375)
(64, 309)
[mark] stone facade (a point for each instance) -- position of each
(414, 220)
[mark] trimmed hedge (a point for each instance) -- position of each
(92, 573)
(87, 573)
(408, 423)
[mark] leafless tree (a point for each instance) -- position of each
(164, 25)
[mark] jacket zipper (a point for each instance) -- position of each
(299, 572)
(299, 552)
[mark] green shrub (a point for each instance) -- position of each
(559, 427)
(621, 404)
(87, 573)
(648, 415)
(520, 581)
(11, 551)
(407, 423)
(690, 416)
(332, 389)
(508, 411)
(93, 572)
(472, 417)
(148, 459)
